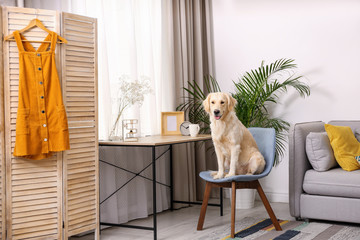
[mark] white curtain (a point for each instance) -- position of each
(134, 39)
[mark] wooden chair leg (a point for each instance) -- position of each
(233, 205)
(204, 206)
(268, 207)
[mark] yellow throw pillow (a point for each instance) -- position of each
(345, 146)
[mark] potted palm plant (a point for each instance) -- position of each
(259, 88)
(254, 92)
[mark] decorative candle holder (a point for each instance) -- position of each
(129, 131)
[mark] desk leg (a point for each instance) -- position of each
(154, 191)
(171, 181)
(99, 199)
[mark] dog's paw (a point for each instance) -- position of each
(229, 175)
(218, 175)
(213, 173)
(249, 174)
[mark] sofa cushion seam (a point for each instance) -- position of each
(328, 184)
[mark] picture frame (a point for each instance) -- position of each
(170, 122)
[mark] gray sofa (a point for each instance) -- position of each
(330, 195)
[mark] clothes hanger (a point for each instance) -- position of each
(34, 23)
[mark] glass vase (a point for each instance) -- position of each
(116, 132)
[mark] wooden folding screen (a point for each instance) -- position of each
(57, 197)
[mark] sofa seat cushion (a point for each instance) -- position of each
(334, 182)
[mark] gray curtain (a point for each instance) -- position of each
(45, 4)
(12, 3)
(193, 59)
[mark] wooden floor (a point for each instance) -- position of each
(181, 224)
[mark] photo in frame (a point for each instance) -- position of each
(170, 122)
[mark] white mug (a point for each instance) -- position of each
(194, 129)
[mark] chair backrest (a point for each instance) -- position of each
(266, 140)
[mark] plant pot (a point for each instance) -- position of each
(245, 198)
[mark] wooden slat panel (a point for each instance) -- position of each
(87, 173)
(31, 193)
(35, 224)
(80, 195)
(80, 170)
(23, 216)
(83, 209)
(83, 201)
(36, 196)
(34, 171)
(82, 130)
(28, 17)
(2, 146)
(81, 124)
(81, 180)
(80, 150)
(38, 231)
(28, 164)
(34, 188)
(47, 234)
(41, 202)
(85, 219)
(31, 175)
(81, 140)
(83, 229)
(34, 218)
(34, 208)
(80, 97)
(81, 215)
(34, 181)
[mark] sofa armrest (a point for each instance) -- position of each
(298, 161)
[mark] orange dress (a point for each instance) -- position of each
(41, 124)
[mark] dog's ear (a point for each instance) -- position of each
(231, 102)
(206, 103)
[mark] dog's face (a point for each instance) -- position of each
(219, 104)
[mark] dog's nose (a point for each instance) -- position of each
(216, 112)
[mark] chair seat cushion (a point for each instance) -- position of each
(206, 175)
(335, 182)
(265, 140)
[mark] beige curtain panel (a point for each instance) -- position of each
(193, 59)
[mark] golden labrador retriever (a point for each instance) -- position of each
(235, 147)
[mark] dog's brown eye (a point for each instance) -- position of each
(222, 102)
(212, 102)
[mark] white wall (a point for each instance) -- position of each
(323, 36)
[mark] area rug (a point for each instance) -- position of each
(296, 230)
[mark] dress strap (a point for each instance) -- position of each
(53, 41)
(18, 41)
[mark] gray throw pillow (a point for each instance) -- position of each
(357, 134)
(319, 151)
